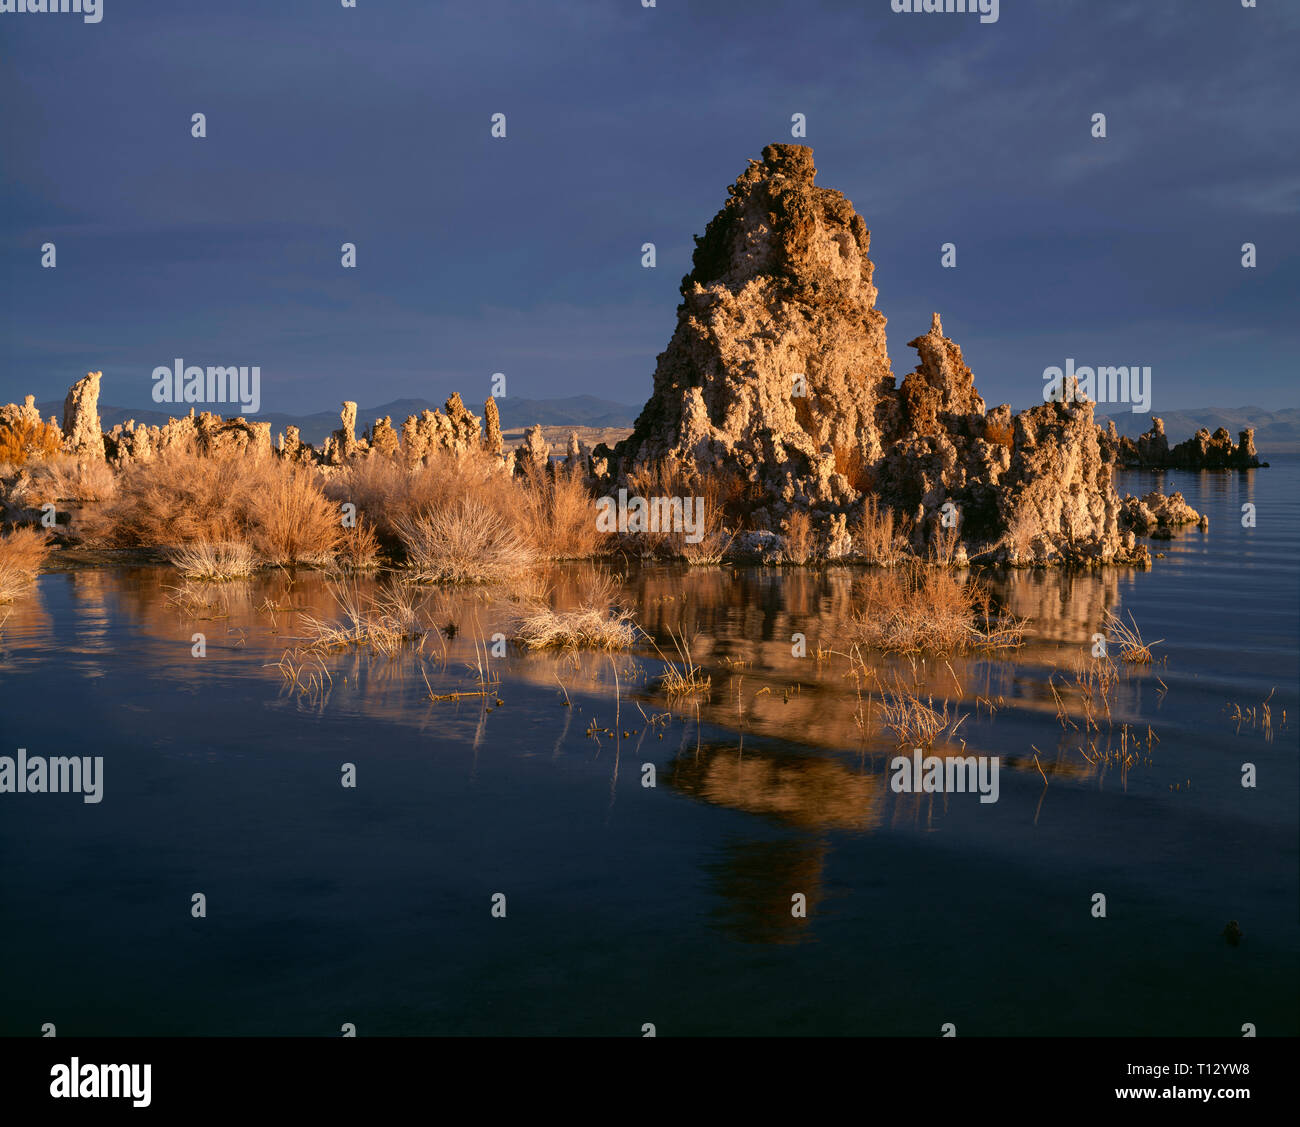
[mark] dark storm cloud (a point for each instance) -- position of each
(476, 255)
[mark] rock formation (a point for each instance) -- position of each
(13, 414)
(344, 445)
(1156, 511)
(778, 361)
(82, 436)
(457, 432)
(774, 396)
(492, 442)
(777, 375)
(574, 460)
(532, 457)
(1203, 451)
(383, 438)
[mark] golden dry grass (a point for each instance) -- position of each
(682, 678)
(557, 514)
(214, 560)
(913, 721)
(1129, 638)
(797, 545)
(1003, 434)
(918, 609)
(470, 543)
(179, 499)
(66, 478)
(385, 623)
(358, 548)
(588, 627)
(173, 500)
(289, 518)
(714, 538)
(22, 552)
(878, 537)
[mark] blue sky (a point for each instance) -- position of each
(625, 125)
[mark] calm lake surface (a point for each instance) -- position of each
(669, 905)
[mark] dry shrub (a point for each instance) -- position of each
(1129, 638)
(386, 492)
(446, 481)
(290, 520)
(686, 679)
(558, 515)
(21, 555)
(914, 722)
(1001, 434)
(737, 494)
(173, 500)
(66, 478)
(23, 440)
(918, 609)
(713, 539)
(469, 543)
(599, 623)
(379, 487)
(797, 547)
(214, 561)
(878, 537)
(358, 548)
(385, 622)
(657, 479)
(943, 546)
(179, 499)
(1020, 536)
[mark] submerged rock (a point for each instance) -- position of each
(1156, 511)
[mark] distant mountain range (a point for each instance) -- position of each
(1276, 432)
(575, 411)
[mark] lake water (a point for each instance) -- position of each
(672, 904)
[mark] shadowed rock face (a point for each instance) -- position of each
(781, 301)
(1203, 451)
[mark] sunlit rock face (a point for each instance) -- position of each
(82, 436)
(779, 356)
(777, 383)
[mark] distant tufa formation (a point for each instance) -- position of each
(1203, 451)
(777, 375)
(454, 431)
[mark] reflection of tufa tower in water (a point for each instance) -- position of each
(758, 879)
